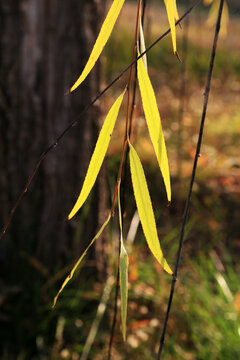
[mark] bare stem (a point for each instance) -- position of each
(198, 148)
(128, 107)
(120, 175)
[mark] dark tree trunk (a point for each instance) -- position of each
(44, 46)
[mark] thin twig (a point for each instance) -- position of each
(125, 146)
(123, 193)
(133, 108)
(76, 120)
(198, 148)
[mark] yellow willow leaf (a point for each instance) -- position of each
(69, 277)
(123, 271)
(142, 41)
(145, 210)
(154, 124)
(101, 41)
(171, 13)
(176, 16)
(98, 155)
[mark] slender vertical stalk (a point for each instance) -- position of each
(128, 107)
(126, 136)
(198, 148)
(133, 107)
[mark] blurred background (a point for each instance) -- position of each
(43, 47)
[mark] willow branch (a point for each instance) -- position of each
(119, 179)
(77, 119)
(197, 155)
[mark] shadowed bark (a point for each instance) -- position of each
(43, 48)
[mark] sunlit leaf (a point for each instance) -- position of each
(101, 41)
(98, 154)
(145, 210)
(154, 124)
(172, 14)
(123, 270)
(176, 16)
(142, 41)
(69, 277)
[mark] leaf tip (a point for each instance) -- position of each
(54, 302)
(75, 85)
(72, 213)
(177, 56)
(162, 261)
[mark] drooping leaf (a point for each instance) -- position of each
(123, 271)
(172, 14)
(154, 123)
(101, 41)
(69, 277)
(98, 154)
(142, 41)
(176, 16)
(145, 210)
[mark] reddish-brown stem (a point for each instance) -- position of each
(133, 103)
(125, 144)
(127, 111)
(119, 176)
(131, 69)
